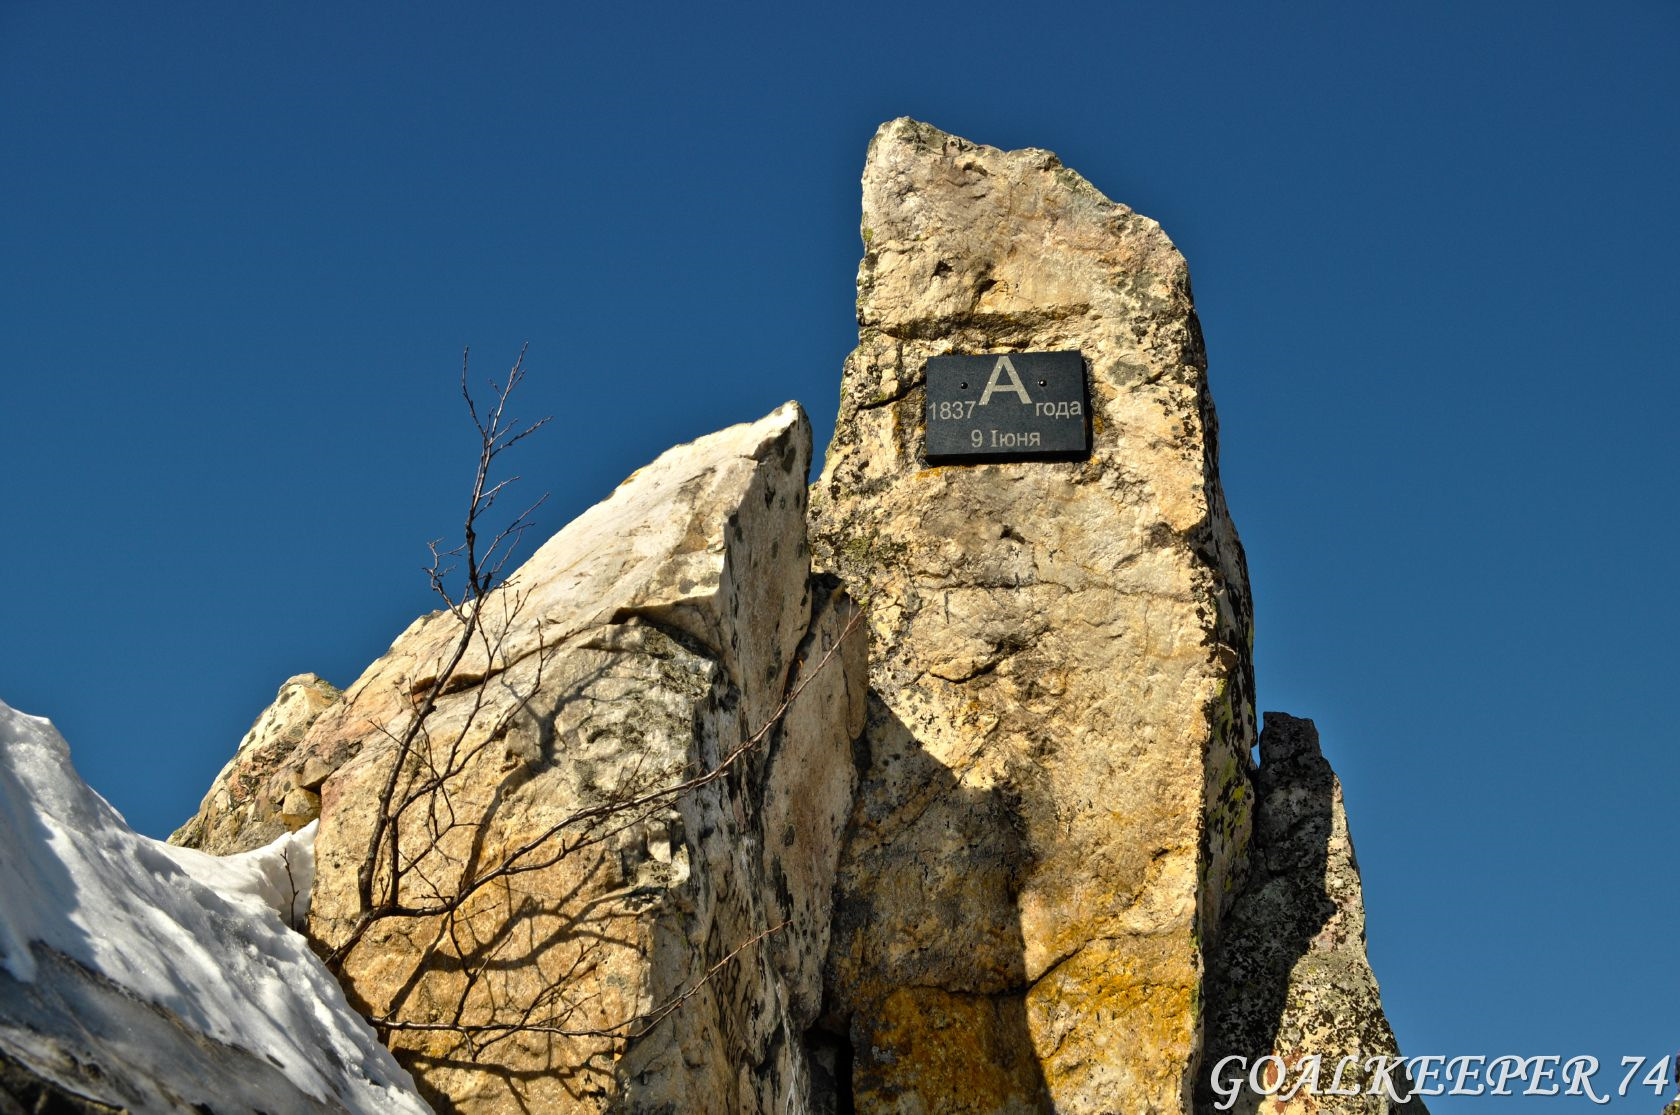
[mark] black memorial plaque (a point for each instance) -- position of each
(1013, 406)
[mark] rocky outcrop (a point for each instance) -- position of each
(257, 797)
(1289, 977)
(643, 830)
(1055, 808)
(578, 935)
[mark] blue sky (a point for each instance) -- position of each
(1434, 251)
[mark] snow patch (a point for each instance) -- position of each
(205, 937)
(278, 877)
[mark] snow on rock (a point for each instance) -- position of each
(152, 978)
(278, 875)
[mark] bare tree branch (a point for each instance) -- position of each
(428, 872)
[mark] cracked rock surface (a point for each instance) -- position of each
(637, 649)
(1054, 802)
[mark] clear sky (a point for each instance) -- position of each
(1434, 251)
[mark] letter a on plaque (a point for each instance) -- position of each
(1007, 406)
(1004, 378)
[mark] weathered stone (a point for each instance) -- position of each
(313, 772)
(647, 644)
(299, 807)
(248, 805)
(1056, 802)
(1289, 977)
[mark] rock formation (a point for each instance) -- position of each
(250, 802)
(1019, 860)
(1289, 977)
(1056, 805)
(644, 646)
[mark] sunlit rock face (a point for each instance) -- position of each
(1018, 859)
(1055, 802)
(258, 795)
(631, 949)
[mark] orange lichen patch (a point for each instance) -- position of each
(1141, 881)
(956, 1054)
(1119, 1019)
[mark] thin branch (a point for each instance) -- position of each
(512, 865)
(628, 1029)
(423, 860)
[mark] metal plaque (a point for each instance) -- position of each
(1010, 406)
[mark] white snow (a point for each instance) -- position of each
(278, 876)
(204, 937)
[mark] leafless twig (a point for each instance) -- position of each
(427, 872)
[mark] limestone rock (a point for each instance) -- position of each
(646, 645)
(247, 805)
(1289, 977)
(1055, 805)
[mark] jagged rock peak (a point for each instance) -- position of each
(1018, 860)
(958, 234)
(643, 646)
(1055, 807)
(247, 806)
(1289, 976)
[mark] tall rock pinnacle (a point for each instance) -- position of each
(1056, 802)
(1019, 861)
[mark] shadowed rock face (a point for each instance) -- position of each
(637, 649)
(1289, 977)
(1055, 804)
